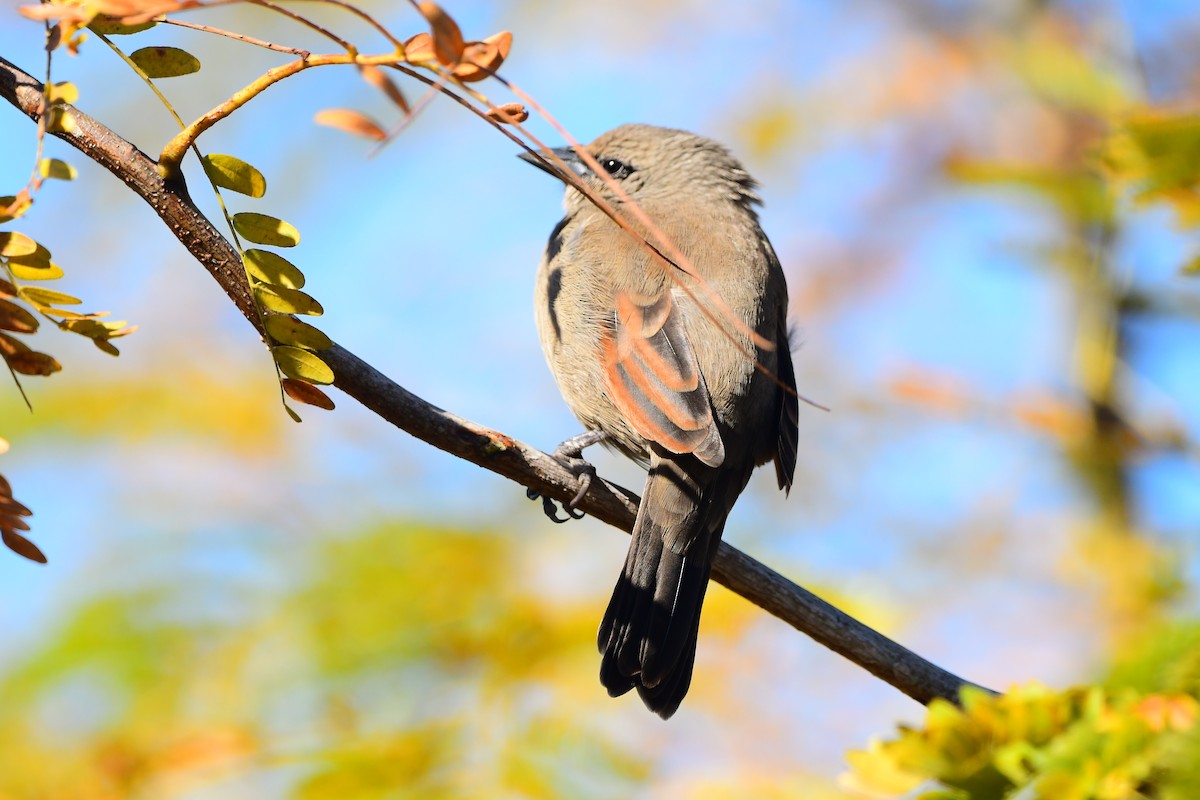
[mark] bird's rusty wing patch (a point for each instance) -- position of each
(652, 377)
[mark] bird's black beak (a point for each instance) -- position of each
(543, 161)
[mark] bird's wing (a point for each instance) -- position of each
(653, 379)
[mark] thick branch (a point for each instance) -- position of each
(906, 671)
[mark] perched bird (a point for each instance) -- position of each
(649, 373)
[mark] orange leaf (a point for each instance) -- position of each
(419, 48)
(22, 546)
(350, 121)
(304, 392)
(508, 113)
(33, 363)
(375, 76)
(447, 38)
(481, 59)
(16, 319)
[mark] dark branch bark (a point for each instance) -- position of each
(906, 671)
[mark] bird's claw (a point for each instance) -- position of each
(570, 455)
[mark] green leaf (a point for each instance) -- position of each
(274, 269)
(234, 174)
(1192, 267)
(111, 27)
(292, 413)
(262, 229)
(59, 170)
(287, 301)
(48, 297)
(165, 62)
(302, 365)
(289, 330)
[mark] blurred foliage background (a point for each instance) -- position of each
(987, 213)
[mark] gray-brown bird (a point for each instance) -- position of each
(649, 374)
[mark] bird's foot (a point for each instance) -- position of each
(570, 455)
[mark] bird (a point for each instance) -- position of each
(656, 368)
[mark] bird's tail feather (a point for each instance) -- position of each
(648, 634)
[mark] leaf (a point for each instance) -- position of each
(22, 546)
(508, 114)
(274, 269)
(376, 77)
(351, 121)
(94, 329)
(302, 365)
(7, 289)
(165, 62)
(14, 205)
(106, 346)
(33, 363)
(234, 174)
(287, 301)
(304, 392)
(16, 319)
(48, 297)
(1192, 267)
(419, 48)
(481, 59)
(34, 272)
(289, 330)
(38, 259)
(10, 345)
(447, 38)
(262, 229)
(59, 120)
(16, 245)
(54, 168)
(113, 27)
(65, 92)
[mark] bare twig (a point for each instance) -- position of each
(241, 37)
(906, 671)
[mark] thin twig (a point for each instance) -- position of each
(241, 37)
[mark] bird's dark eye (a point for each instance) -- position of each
(617, 169)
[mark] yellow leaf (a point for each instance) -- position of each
(35, 272)
(53, 168)
(165, 62)
(287, 301)
(16, 245)
(302, 365)
(274, 269)
(65, 92)
(289, 330)
(59, 120)
(351, 121)
(14, 205)
(234, 174)
(48, 297)
(262, 229)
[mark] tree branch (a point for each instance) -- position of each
(906, 671)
